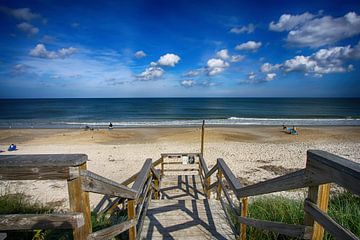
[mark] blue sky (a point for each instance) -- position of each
(179, 49)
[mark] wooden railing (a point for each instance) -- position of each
(72, 168)
(321, 169)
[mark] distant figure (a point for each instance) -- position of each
(110, 126)
(12, 147)
(87, 128)
(284, 127)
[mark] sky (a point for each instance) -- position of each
(95, 49)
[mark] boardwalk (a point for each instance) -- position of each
(183, 212)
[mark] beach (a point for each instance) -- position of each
(253, 153)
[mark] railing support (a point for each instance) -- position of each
(132, 215)
(207, 187)
(156, 192)
(202, 137)
(320, 196)
(244, 211)
(219, 178)
(79, 202)
(162, 166)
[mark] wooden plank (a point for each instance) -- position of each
(228, 198)
(38, 173)
(244, 212)
(324, 167)
(41, 221)
(203, 164)
(322, 202)
(178, 154)
(278, 227)
(131, 216)
(283, 183)
(219, 186)
(155, 172)
(214, 184)
(76, 201)
(112, 231)
(43, 160)
(92, 182)
(142, 215)
(157, 162)
(86, 207)
(141, 178)
(211, 171)
(336, 230)
(233, 182)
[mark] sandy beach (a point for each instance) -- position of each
(253, 153)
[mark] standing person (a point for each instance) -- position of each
(110, 126)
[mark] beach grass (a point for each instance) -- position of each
(344, 207)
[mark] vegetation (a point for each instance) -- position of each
(343, 207)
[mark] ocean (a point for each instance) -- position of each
(177, 112)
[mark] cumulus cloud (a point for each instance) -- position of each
(268, 67)
(20, 13)
(237, 58)
(324, 61)
(169, 59)
(140, 54)
(40, 51)
(307, 30)
(19, 69)
(270, 76)
(216, 66)
(243, 29)
(223, 54)
(151, 73)
(28, 28)
(253, 78)
(188, 83)
(194, 73)
(250, 46)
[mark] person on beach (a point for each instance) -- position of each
(110, 126)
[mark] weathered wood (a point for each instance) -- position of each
(244, 212)
(155, 172)
(203, 164)
(86, 206)
(228, 217)
(157, 162)
(142, 199)
(78, 203)
(43, 160)
(313, 196)
(228, 198)
(141, 178)
(38, 173)
(322, 202)
(214, 184)
(233, 182)
(112, 231)
(178, 154)
(41, 221)
(278, 227)
(211, 171)
(324, 167)
(283, 183)
(202, 136)
(92, 182)
(142, 215)
(219, 186)
(336, 230)
(131, 216)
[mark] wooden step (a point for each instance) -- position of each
(186, 219)
(181, 187)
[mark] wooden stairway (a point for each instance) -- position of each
(183, 211)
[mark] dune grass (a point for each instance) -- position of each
(343, 207)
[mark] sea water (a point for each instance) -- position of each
(177, 112)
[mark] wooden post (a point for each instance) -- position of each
(244, 210)
(219, 177)
(202, 137)
(320, 196)
(131, 215)
(208, 192)
(156, 192)
(162, 166)
(79, 202)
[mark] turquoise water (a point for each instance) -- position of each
(142, 112)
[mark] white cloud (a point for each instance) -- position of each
(194, 73)
(270, 76)
(315, 31)
(287, 22)
(250, 45)
(20, 13)
(151, 73)
(237, 58)
(268, 67)
(216, 66)
(223, 54)
(140, 54)
(243, 29)
(28, 28)
(40, 51)
(324, 61)
(169, 59)
(188, 83)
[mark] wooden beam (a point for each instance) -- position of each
(43, 160)
(244, 212)
(324, 167)
(336, 230)
(322, 202)
(141, 178)
(219, 186)
(38, 173)
(278, 227)
(233, 182)
(283, 183)
(41, 221)
(211, 171)
(92, 182)
(132, 216)
(110, 232)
